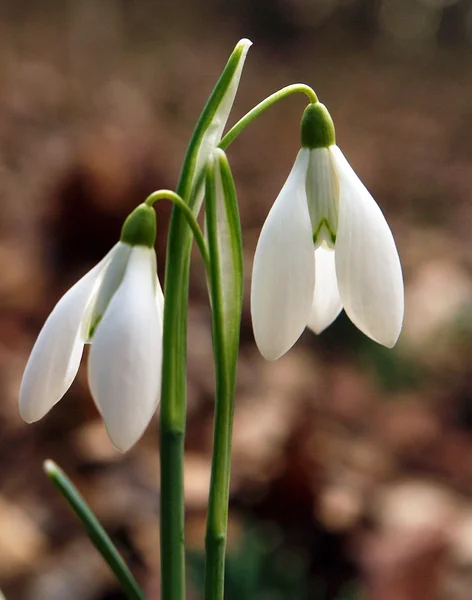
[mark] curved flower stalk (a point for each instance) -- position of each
(325, 245)
(117, 307)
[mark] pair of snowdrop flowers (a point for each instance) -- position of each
(325, 245)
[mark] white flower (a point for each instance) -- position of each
(325, 245)
(118, 308)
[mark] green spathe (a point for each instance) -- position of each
(139, 229)
(317, 127)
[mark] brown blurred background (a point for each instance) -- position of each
(352, 465)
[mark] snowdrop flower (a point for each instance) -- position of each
(325, 245)
(118, 308)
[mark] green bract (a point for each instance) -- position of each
(317, 127)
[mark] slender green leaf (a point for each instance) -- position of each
(95, 531)
(223, 232)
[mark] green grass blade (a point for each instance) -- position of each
(95, 531)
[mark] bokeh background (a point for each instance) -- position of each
(352, 464)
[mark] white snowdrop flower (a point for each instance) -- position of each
(118, 308)
(325, 245)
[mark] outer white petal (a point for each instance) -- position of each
(283, 276)
(367, 263)
(125, 358)
(112, 278)
(326, 301)
(160, 301)
(55, 358)
(158, 289)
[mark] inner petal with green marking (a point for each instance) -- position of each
(322, 194)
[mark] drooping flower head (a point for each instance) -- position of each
(117, 307)
(325, 245)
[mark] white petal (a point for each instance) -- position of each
(55, 358)
(158, 288)
(125, 358)
(112, 278)
(367, 263)
(160, 300)
(326, 301)
(283, 276)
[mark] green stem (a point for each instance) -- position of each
(173, 397)
(215, 540)
(263, 106)
(173, 408)
(217, 520)
(192, 222)
(225, 328)
(97, 534)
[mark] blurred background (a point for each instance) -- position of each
(352, 464)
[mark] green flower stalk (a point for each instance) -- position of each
(173, 405)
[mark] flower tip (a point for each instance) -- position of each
(28, 412)
(121, 440)
(316, 328)
(385, 338)
(26, 417)
(390, 342)
(270, 347)
(271, 355)
(123, 434)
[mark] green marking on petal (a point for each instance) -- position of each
(93, 327)
(324, 225)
